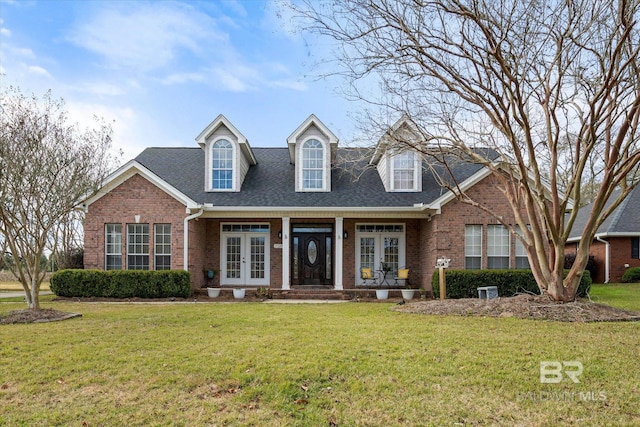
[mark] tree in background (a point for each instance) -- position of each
(552, 86)
(47, 166)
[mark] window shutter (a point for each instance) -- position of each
(635, 247)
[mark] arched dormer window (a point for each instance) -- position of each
(222, 165)
(312, 165)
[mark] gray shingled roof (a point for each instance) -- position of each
(271, 182)
(625, 219)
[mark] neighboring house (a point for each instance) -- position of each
(616, 245)
(307, 215)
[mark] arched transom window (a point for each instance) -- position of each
(312, 164)
(222, 168)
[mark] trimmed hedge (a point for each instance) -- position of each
(632, 275)
(121, 283)
(464, 283)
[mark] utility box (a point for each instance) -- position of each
(488, 292)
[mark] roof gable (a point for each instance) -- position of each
(222, 121)
(311, 121)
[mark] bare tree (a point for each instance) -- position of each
(67, 241)
(552, 86)
(46, 167)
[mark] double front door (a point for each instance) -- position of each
(312, 255)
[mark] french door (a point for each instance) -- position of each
(380, 248)
(245, 259)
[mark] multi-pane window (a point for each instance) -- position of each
(473, 247)
(234, 257)
(403, 171)
(162, 241)
(138, 246)
(312, 165)
(635, 247)
(113, 246)
(368, 253)
(222, 168)
(497, 246)
(522, 261)
(257, 257)
(391, 254)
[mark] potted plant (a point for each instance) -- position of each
(408, 292)
(238, 293)
(382, 293)
(209, 274)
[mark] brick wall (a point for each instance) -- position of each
(620, 255)
(444, 236)
(136, 196)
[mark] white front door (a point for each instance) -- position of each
(244, 259)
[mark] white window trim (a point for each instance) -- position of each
(379, 253)
(155, 244)
(106, 245)
(209, 172)
(508, 256)
(465, 244)
(326, 164)
(417, 176)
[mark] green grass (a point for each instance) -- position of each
(625, 295)
(271, 365)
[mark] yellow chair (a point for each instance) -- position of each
(367, 274)
(403, 274)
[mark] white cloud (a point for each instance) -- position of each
(123, 121)
(5, 32)
(37, 70)
(148, 37)
(180, 78)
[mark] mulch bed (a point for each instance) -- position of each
(36, 316)
(534, 307)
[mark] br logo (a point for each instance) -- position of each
(551, 372)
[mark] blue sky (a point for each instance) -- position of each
(164, 70)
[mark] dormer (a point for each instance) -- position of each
(312, 147)
(228, 156)
(398, 162)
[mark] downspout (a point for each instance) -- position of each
(186, 236)
(607, 257)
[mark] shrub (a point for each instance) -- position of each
(121, 283)
(592, 266)
(464, 283)
(632, 275)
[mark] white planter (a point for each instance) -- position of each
(238, 293)
(382, 293)
(407, 294)
(213, 292)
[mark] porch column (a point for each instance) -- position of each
(286, 256)
(339, 251)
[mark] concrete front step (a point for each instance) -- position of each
(302, 294)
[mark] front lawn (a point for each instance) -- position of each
(621, 295)
(329, 364)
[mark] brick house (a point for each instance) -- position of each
(616, 245)
(307, 215)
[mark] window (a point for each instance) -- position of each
(113, 246)
(522, 261)
(497, 247)
(404, 171)
(162, 241)
(472, 247)
(138, 246)
(222, 169)
(312, 165)
(635, 247)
